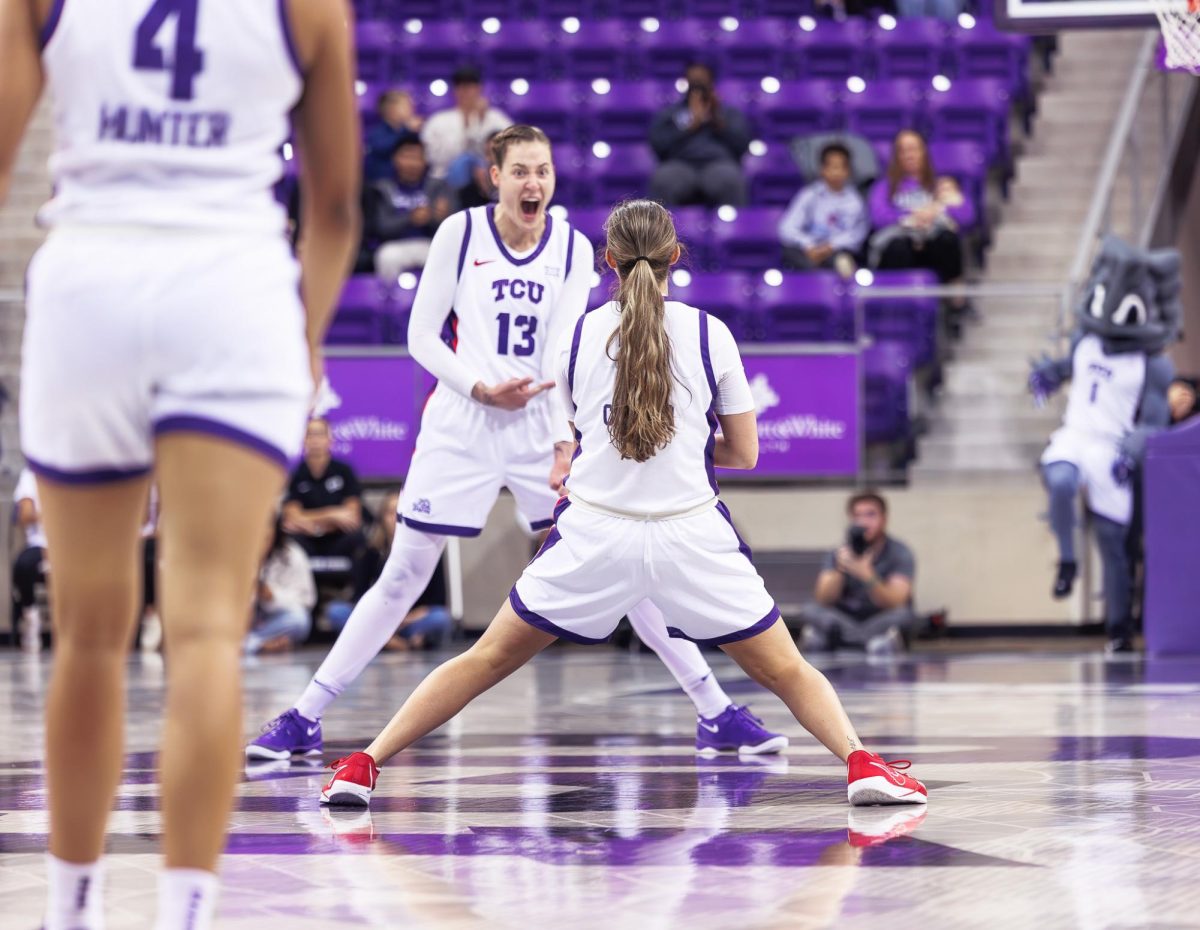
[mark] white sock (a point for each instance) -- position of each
(410, 564)
(74, 899)
(187, 899)
(683, 658)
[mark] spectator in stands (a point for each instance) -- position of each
(918, 216)
(428, 623)
(1182, 399)
(404, 210)
(864, 593)
(699, 142)
(285, 597)
(826, 224)
(323, 507)
(29, 569)
(456, 139)
(398, 121)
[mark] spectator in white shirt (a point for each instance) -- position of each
(456, 139)
(286, 596)
(826, 224)
(30, 567)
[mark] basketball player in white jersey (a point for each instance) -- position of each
(647, 382)
(166, 333)
(501, 284)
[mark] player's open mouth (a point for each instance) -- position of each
(529, 208)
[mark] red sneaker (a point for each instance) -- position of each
(873, 781)
(353, 781)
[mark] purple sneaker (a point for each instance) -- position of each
(287, 735)
(736, 730)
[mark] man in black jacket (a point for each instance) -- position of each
(403, 211)
(700, 143)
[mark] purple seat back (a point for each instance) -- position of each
(833, 49)
(729, 296)
(773, 177)
(518, 50)
(985, 52)
(974, 110)
(807, 306)
(624, 173)
(885, 108)
(887, 368)
(554, 106)
(435, 50)
(749, 241)
(755, 49)
(625, 113)
(601, 48)
(798, 109)
(915, 48)
(666, 53)
(907, 321)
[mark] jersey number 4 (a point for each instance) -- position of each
(527, 325)
(187, 61)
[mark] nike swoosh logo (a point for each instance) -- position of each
(712, 729)
(893, 777)
(487, 262)
(314, 729)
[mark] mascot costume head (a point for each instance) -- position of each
(1132, 300)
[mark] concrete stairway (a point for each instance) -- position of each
(985, 425)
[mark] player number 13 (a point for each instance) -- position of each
(527, 326)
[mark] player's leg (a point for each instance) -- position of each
(1112, 540)
(93, 536)
(721, 725)
(772, 659)
(219, 496)
(507, 644)
(1062, 482)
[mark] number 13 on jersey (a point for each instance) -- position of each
(527, 326)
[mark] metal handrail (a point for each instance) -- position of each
(1113, 154)
(1173, 138)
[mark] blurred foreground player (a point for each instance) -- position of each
(171, 330)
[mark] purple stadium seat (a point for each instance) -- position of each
(729, 296)
(754, 49)
(518, 50)
(748, 241)
(376, 44)
(914, 48)
(973, 110)
(477, 10)
(622, 174)
(985, 52)
(887, 368)
(589, 221)
(625, 113)
(833, 49)
(798, 108)
(808, 306)
(360, 313)
(396, 313)
(552, 105)
(907, 321)
(601, 48)
(884, 108)
(399, 10)
(667, 52)
(435, 50)
(572, 186)
(602, 292)
(773, 177)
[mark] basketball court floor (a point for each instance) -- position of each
(1064, 792)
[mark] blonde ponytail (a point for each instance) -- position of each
(642, 242)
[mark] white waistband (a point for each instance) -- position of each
(643, 517)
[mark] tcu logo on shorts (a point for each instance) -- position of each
(519, 289)
(422, 506)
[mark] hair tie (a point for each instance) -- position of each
(643, 258)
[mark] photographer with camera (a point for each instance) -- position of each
(863, 595)
(700, 143)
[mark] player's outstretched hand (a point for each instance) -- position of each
(512, 394)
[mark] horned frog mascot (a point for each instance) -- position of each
(1129, 314)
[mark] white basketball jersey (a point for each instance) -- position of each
(169, 112)
(703, 356)
(1106, 390)
(504, 303)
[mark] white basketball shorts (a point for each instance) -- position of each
(466, 453)
(1094, 456)
(594, 567)
(133, 333)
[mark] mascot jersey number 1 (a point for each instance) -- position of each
(1119, 373)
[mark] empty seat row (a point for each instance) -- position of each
(423, 50)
